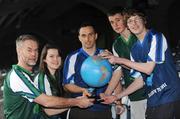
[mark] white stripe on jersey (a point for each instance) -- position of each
(152, 53)
(46, 83)
(17, 85)
(136, 74)
(116, 54)
(71, 65)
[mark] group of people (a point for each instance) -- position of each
(141, 57)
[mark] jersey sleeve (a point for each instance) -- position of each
(134, 73)
(158, 48)
(24, 87)
(42, 83)
(69, 70)
(116, 67)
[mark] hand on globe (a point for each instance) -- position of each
(105, 53)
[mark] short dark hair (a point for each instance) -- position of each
(85, 24)
(138, 12)
(115, 10)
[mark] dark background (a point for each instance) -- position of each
(57, 21)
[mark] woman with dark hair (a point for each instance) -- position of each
(48, 78)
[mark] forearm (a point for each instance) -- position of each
(137, 84)
(74, 88)
(118, 88)
(141, 67)
(114, 82)
(51, 112)
(56, 102)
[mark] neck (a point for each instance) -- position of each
(29, 68)
(142, 34)
(125, 34)
(52, 71)
(90, 51)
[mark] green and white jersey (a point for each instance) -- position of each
(122, 48)
(19, 93)
(48, 84)
(42, 83)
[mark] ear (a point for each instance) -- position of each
(44, 60)
(18, 50)
(79, 38)
(96, 36)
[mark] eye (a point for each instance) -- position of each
(83, 35)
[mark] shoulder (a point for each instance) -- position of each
(72, 54)
(117, 41)
(153, 32)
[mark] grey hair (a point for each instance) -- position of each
(23, 38)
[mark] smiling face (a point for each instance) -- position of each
(87, 37)
(117, 22)
(27, 53)
(136, 24)
(52, 59)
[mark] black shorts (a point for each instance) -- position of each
(78, 113)
(165, 111)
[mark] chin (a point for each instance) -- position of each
(32, 64)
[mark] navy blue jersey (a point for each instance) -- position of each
(71, 75)
(163, 84)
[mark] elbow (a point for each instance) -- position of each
(46, 104)
(142, 83)
(47, 112)
(149, 68)
(44, 100)
(148, 71)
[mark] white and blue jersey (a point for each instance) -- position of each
(71, 75)
(163, 84)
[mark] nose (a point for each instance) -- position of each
(87, 38)
(34, 53)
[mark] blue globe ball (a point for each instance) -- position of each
(96, 71)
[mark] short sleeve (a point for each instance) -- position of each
(116, 67)
(134, 73)
(158, 48)
(26, 88)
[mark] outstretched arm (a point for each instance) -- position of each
(59, 102)
(76, 89)
(114, 82)
(137, 84)
(142, 67)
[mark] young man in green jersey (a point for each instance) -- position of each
(121, 48)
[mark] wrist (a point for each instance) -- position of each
(118, 102)
(83, 90)
(118, 97)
